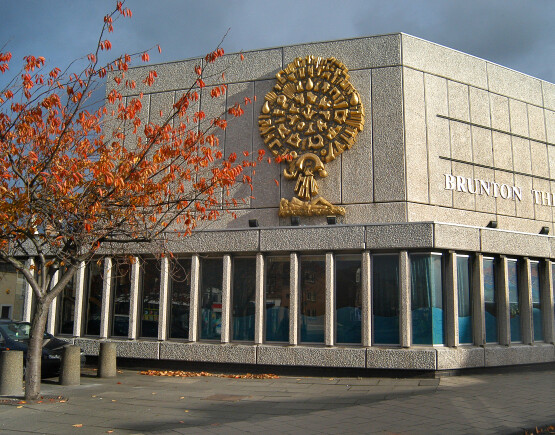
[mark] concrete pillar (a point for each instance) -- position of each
(547, 301)
(134, 298)
(11, 373)
(451, 303)
(504, 318)
(79, 297)
(194, 300)
(329, 323)
(28, 305)
(107, 360)
(478, 302)
(525, 281)
(70, 371)
(260, 301)
(294, 299)
(164, 304)
(366, 278)
(52, 311)
(227, 303)
(106, 299)
(405, 314)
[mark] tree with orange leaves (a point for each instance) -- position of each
(77, 183)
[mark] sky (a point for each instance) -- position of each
(518, 34)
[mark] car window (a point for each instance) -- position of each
(19, 331)
(16, 331)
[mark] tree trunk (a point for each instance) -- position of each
(34, 353)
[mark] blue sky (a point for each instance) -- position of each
(516, 34)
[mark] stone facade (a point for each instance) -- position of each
(455, 159)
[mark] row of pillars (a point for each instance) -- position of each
(405, 318)
(11, 367)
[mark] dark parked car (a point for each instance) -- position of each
(15, 336)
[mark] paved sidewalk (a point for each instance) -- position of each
(501, 403)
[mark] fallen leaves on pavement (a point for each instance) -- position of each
(541, 430)
(184, 374)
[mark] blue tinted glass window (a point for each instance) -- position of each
(121, 279)
(348, 296)
(464, 291)
(277, 299)
(243, 295)
(490, 300)
(427, 299)
(211, 298)
(313, 298)
(385, 298)
(150, 300)
(536, 300)
(514, 300)
(180, 293)
(94, 299)
(66, 303)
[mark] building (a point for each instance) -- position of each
(428, 249)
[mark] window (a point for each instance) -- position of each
(93, 310)
(514, 301)
(150, 297)
(464, 291)
(385, 298)
(6, 312)
(67, 307)
(427, 299)
(211, 298)
(180, 293)
(12, 286)
(313, 281)
(490, 300)
(243, 298)
(348, 298)
(121, 291)
(277, 299)
(536, 300)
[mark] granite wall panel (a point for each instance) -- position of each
(257, 65)
(442, 61)
(357, 168)
(309, 239)
(536, 122)
(518, 354)
(515, 85)
(485, 203)
(402, 236)
(511, 243)
(388, 135)
(438, 143)
(548, 92)
(415, 136)
(385, 212)
(460, 357)
(266, 191)
(239, 139)
(361, 53)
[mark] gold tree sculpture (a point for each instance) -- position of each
(310, 117)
